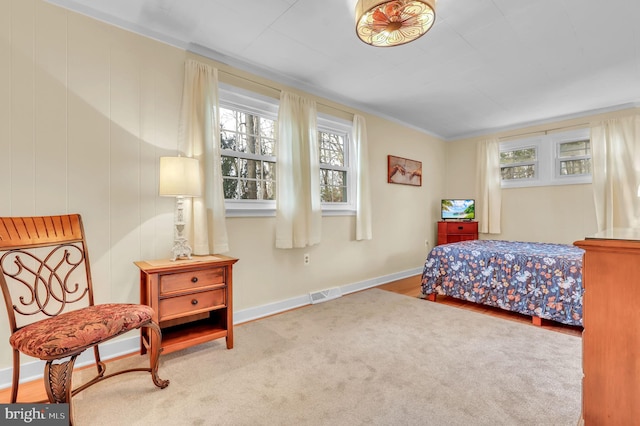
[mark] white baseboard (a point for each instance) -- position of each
(33, 370)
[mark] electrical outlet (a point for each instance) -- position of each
(307, 260)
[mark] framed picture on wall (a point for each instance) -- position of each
(404, 171)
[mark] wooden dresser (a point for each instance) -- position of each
(611, 337)
(192, 300)
(454, 231)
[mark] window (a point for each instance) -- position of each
(519, 163)
(248, 155)
(248, 146)
(554, 159)
(248, 127)
(574, 158)
(336, 168)
(333, 174)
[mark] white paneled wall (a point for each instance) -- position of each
(85, 112)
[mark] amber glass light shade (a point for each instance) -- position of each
(393, 22)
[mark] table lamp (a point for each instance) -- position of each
(179, 177)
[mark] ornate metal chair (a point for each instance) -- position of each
(46, 283)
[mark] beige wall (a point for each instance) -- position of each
(87, 109)
(556, 214)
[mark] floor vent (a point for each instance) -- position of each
(324, 295)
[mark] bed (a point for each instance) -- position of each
(541, 280)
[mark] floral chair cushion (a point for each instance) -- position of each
(72, 332)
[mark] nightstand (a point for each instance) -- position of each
(455, 231)
(192, 300)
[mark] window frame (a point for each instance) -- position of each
(568, 138)
(548, 159)
(529, 143)
(250, 102)
(330, 124)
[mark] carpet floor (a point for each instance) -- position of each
(368, 358)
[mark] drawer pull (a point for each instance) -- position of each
(194, 302)
(194, 280)
(460, 227)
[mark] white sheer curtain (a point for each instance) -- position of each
(298, 207)
(199, 138)
(363, 186)
(616, 172)
(489, 193)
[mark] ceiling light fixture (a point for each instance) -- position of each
(393, 22)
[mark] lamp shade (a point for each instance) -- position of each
(387, 23)
(180, 177)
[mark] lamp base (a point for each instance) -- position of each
(180, 249)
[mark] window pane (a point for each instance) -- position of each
(333, 194)
(248, 189)
(252, 125)
(268, 170)
(267, 128)
(575, 149)
(229, 166)
(333, 188)
(268, 190)
(518, 172)
(518, 156)
(228, 120)
(333, 177)
(228, 140)
(246, 144)
(575, 167)
(331, 149)
(230, 188)
(268, 147)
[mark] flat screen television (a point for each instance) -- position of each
(458, 209)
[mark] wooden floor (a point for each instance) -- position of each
(411, 287)
(34, 391)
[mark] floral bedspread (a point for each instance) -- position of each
(537, 279)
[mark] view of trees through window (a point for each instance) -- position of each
(518, 164)
(248, 144)
(558, 158)
(333, 173)
(248, 156)
(575, 158)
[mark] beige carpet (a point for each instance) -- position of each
(370, 358)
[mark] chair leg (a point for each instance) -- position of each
(57, 381)
(100, 366)
(16, 376)
(154, 357)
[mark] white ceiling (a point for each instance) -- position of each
(486, 65)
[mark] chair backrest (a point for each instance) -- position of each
(44, 267)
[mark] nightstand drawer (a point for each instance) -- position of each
(170, 283)
(462, 227)
(192, 303)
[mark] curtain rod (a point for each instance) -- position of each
(279, 90)
(544, 132)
